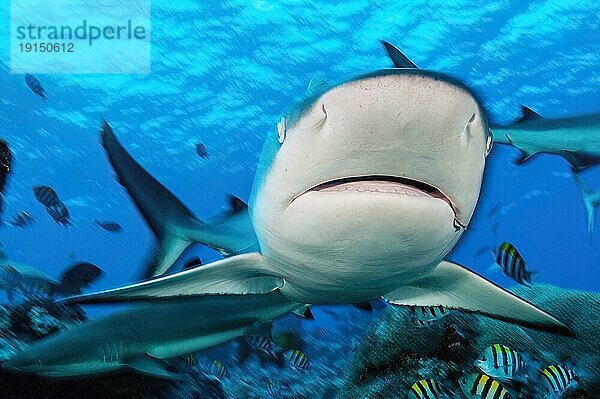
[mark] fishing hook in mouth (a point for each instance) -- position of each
(458, 225)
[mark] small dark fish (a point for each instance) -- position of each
(109, 226)
(218, 370)
(59, 213)
(297, 359)
(22, 219)
(512, 264)
(46, 196)
(201, 150)
(194, 262)
(78, 277)
(36, 86)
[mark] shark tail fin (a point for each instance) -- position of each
(168, 217)
(587, 195)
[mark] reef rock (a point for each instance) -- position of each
(396, 353)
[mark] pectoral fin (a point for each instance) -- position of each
(173, 224)
(146, 364)
(238, 275)
(454, 286)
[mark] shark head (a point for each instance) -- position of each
(386, 165)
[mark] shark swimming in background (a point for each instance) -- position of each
(576, 139)
(141, 338)
(362, 190)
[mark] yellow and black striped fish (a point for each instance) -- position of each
(262, 344)
(297, 359)
(557, 379)
(512, 264)
(500, 361)
(482, 386)
(425, 389)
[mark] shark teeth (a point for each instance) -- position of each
(374, 186)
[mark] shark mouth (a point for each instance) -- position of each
(383, 184)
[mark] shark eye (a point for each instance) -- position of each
(490, 143)
(281, 130)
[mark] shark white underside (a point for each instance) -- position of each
(360, 193)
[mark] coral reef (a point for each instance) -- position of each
(395, 353)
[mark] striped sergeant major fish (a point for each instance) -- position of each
(482, 386)
(425, 389)
(218, 370)
(501, 362)
(297, 359)
(512, 264)
(262, 344)
(423, 316)
(556, 380)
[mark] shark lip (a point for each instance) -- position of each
(382, 184)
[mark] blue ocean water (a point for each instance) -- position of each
(223, 73)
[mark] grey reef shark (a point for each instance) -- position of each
(576, 139)
(361, 191)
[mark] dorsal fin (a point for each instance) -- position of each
(527, 114)
(399, 59)
(315, 82)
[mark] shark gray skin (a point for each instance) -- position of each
(142, 337)
(361, 191)
(591, 200)
(576, 139)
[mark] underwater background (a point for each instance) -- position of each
(222, 74)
